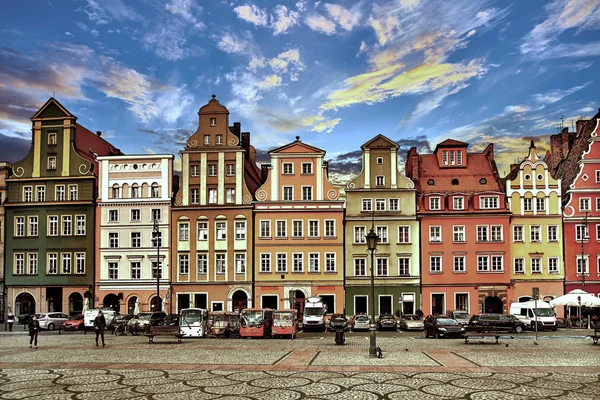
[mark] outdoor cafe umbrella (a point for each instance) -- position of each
(136, 309)
(576, 298)
(86, 305)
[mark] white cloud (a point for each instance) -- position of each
(347, 19)
(105, 11)
(363, 48)
(252, 13)
(256, 62)
(471, 32)
(319, 23)
(517, 109)
(281, 62)
(270, 82)
(231, 43)
(182, 8)
(172, 104)
(556, 95)
(283, 19)
(167, 40)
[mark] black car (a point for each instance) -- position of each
(442, 326)
(508, 323)
(119, 323)
(387, 321)
(170, 320)
(338, 321)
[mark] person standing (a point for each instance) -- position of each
(10, 319)
(100, 326)
(34, 329)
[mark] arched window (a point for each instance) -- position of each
(431, 182)
(155, 193)
(483, 181)
(116, 192)
(455, 181)
(135, 191)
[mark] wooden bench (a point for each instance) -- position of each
(152, 331)
(596, 335)
(484, 332)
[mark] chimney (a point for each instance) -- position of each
(98, 133)
(264, 169)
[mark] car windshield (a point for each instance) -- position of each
(447, 321)
(252, 317)
(313, 311)
(144, 316)
(283, 316)
(339, 319)
(462, 315)
(77, 317)
(387, 317)
(362, 318)
(411, 318)
(543, 312)
(189, 317)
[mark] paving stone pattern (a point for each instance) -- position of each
(86, 383)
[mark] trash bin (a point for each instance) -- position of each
(340, 336)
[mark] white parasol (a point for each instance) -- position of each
(86, 305)
(136, 308)
(576, 298)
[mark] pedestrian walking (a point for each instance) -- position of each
(99, 327)
(10, 319)
(34, 329)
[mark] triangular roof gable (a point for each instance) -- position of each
(297, 147)
(380, 141)
(52, 109)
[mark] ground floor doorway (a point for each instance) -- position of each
(438, 303)
(492, 304)
(361, 305)
(239, 300)
(54, 297)
(24, 304)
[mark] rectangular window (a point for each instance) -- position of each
(67, 225)
(32, 262)
(113, 240)
(459, 264)
(528, 204)
(221, 230)
(434, 203)
(329, 262)
(582, 265)
(598, 235)
(265, 262)
(403, 266)
(212, 170)
(360, 267)
(194, 170)
(382, 232)
(136, 240)
(380, 160)
(297, 229)
(435, 234)
(113, 270)
(113, 215)
(213, 122)
(240, 230)
(597, 203)
(240, 263)
(379, 204)
(230, 195)
(281, 227)
(195, 196)
(535, 233)
(52, 225)
(184, 264)
(597, 176)
(435, 264)
(584, 204)
(483, 263)
(73, 192)
(367, 205)
(519, 266)
(540, 204)
(135, 192)
(265, 229)
(553, 265)
(80, 263)
(136, 270)
(281, 262)
(517, 233)
(219, 139)
(80, 221)
(288, 193)
(230, 169)
(52, 263)
(458, 234)
(66, 263)
(202, 265)
(497, 264)
(307, 168)
(28, 194)
(553, 233)
(382, 267)
(156, 214)
(33, 226)
(313, 262)
(452, 154)
(60, 193)
(581, 232)
(51, 138)
(156, 270)
(136, 215)
(459, 157)
(488, 202)
(288, 168)
(313, 229)
(307, 193)
(329, 228)
(116, 193)
(19, 264)
(212, 196)
(220, 264)
(206, 139)
(458, 203)
(482, 233)
(445, 157)
(394, 204)
(202, 231)
(298, 259)
(379, 180)
(156, 239)
(404, 234)
(360, 235)
(184, 231)
(19, 226)
(497, 235)
(536, 266)
(40, 193)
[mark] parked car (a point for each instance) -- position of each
(441, 326)
(501, 322)
(74, 323)
(338, 321)
(52, 320)
(411, 322)
(144, 318)
(360, 322)
(462, 317)
(387, 321)
(169, 320)
(119, 323)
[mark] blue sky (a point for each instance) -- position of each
(334, 73)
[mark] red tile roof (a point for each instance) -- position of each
(88, 143)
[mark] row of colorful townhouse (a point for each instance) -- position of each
(79, 220)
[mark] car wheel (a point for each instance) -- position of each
(50, 326)
(518, 329)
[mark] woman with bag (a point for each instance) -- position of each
(100, 326)
(10, 319)
(34, 329)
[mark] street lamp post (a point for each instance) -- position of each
(372, 239)
(156, 240)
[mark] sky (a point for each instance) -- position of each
(334, 73)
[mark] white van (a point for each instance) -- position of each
(90, 315)
(529, 312)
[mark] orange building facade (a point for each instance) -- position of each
(299, 247)
(464, 222)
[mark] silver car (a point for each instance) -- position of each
(52, 320)
(411, 322)
(361, 321)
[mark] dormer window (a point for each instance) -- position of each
(488, 202)
(455, 181)
(213, 122)
(459, 158)
(434, 203)
(483, 181)
(452, 155)
(458, 203)
(445, 157)
(430, 182)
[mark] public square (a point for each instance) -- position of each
(563, 365)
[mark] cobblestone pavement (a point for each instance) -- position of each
(70, 366)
